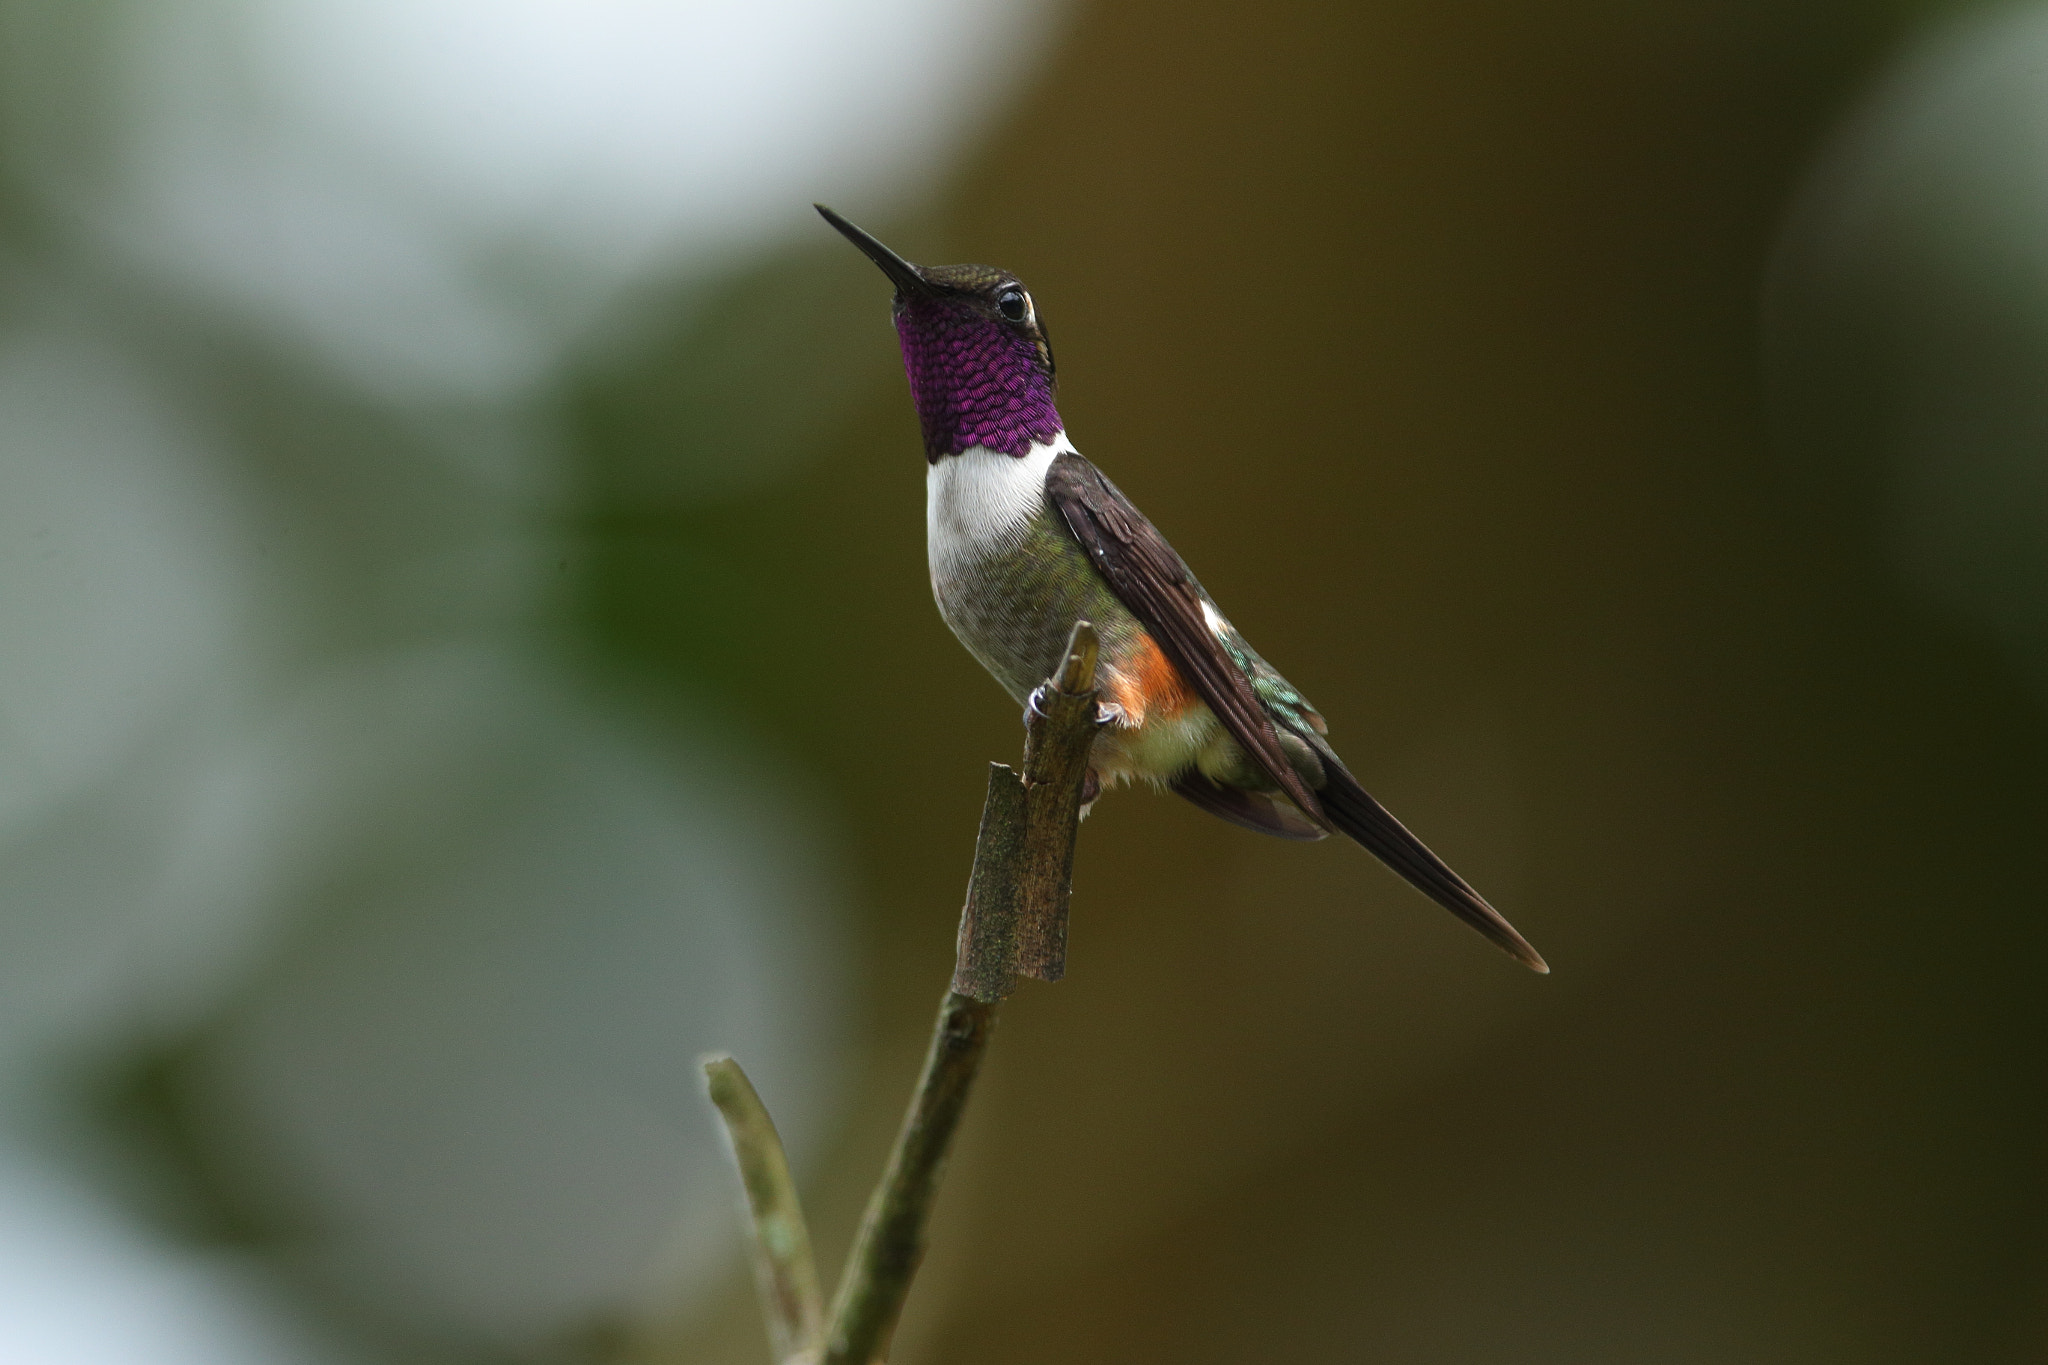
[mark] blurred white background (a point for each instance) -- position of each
(285, 754)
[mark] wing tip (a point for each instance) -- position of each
(1354, 811)
(1495, 927)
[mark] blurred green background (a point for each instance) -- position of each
(470, 650)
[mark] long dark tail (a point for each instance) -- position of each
(1351, 809)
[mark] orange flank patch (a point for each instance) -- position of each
(1147, 685)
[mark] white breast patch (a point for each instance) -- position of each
(981, 501)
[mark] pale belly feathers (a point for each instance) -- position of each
(1011, 582)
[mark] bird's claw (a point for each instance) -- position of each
(1106, 713)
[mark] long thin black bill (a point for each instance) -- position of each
(901, 272)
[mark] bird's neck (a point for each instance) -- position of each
(976, 384)
(981, 503)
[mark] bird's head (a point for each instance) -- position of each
(979, 361)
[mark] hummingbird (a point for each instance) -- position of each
(1025, 537)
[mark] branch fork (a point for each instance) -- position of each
(1013, 925)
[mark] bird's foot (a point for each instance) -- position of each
(1106, 713)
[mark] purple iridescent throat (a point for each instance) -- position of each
(976, 382)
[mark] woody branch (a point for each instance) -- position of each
(1014, 924)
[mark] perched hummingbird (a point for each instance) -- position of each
(1025, 538)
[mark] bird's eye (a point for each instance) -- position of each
(1012, 304)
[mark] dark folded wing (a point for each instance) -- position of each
(1154, 582)
(1353, 810)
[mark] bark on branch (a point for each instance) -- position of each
(784, 1272)
(1013, 924)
